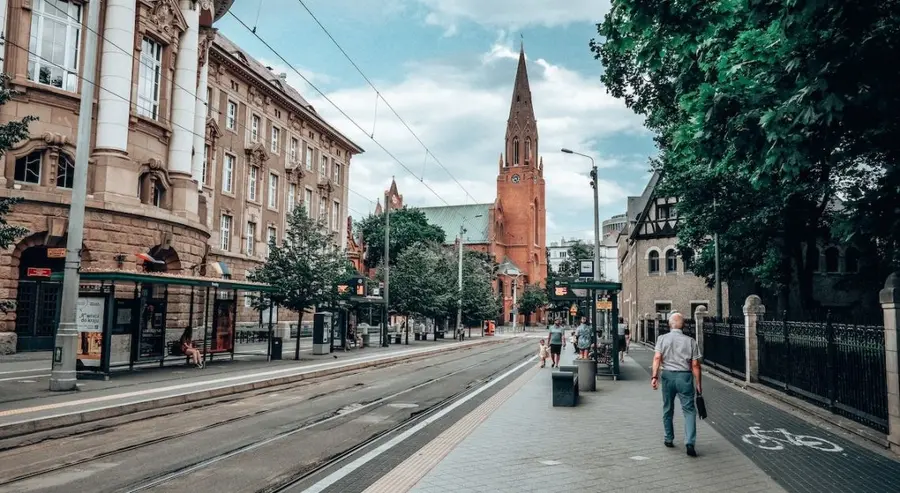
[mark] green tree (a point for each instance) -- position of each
(533, 299)
(761, 123)
(422, 282)
(408, 227)
(305, 269)
(478, 303)
(570, 267)
(10, 134)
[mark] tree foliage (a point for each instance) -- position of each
(533, 299)
(409, 226)
(10, 134)
(765, 113)
(422, 282)
(577, 251)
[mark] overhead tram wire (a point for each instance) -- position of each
(161, 118)
(379, 94)
(341, 110)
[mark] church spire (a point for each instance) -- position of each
(521, 127)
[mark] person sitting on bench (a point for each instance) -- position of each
(188, 349)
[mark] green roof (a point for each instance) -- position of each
(475, 218)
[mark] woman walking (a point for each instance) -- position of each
(557, 342)
(585, 336)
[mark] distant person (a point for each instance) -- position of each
(585, 338)
(557, 342)
(623, 339)
(543, 353)
(573, 340)
(678, 357)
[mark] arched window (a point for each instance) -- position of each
(536, 223)
(159, 194)
(653, 262)
(671, 261)
(28, 168)
(832, 256)
(65, 171)
(687, 256)
(527, 150)
(851, 260)
(812, 258)
(515, 151)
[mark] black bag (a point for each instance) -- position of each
(701, 406)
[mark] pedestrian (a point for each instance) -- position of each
(573, 340)
(623, 341)
(543, 353)
(585, 336)
(678, 358)
(557, 342)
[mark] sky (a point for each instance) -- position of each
(447, 68)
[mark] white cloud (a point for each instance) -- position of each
(461, 116)
(513, 14)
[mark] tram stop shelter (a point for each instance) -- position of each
(355, 305)
(603, 295)
(126, 318)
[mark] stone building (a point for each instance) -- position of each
(185, 122)
(512, 229)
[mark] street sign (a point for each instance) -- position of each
(604, 305)
(586, 268)
(561, 291)
(38, 272)
(56, 253)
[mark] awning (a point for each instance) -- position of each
(163, 278)
(220, 268)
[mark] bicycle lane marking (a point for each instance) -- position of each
(797, 468)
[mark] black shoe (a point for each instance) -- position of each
(669, 444)
(690, 451)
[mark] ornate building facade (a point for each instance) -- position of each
(198, 151)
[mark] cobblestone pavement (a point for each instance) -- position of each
(611, 442)
(817, 460)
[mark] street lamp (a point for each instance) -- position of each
(462, 232)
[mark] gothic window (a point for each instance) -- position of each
(65, 171)
(55, 42)
(527, 150)
(653, 262)
(832, 255)
(671, 261)
(516, 151)
(851, 260)
(536, 222)
(28, 168)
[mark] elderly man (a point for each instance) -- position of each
(678, 356)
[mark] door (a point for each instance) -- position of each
(37, 315)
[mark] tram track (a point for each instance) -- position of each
(318, 420)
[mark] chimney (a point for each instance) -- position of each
(283, 76)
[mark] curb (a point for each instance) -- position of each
(27, 427)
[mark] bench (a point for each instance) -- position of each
(175, 349)
(565, 388)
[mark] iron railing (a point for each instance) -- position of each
(690, 328)
(651, 332)
(839, 366)
(723, 344)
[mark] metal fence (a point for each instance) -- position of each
(723, 344)
(650, 332)
(840, 366)
(690, 328)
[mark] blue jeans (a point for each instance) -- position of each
(680, 384)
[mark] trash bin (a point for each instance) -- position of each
(277, 347)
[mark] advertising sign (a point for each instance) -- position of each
(89, 312)
(152, 334)
(223, 327)
(38, 272)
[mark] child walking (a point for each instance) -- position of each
(544, 353)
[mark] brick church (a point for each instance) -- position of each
(512, 228)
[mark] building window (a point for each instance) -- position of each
(323, 168)
(65, 171)
(235, 86)
(851, 260)
(308, 202)
(671, 261)
(276, 138)
(562, 254)
(149, 82)
(277, 113)
(228, 173)
(28, 168)
(254, 128)
(251, 237)
(231, 116)
(294, 146)
(273, 190)
(55, 44)
(664, 309)
(335, 216)
(832, 256)
(225, 232)
(337, 174)
(323, 213)
(205, 174)
(653, 262)
(687, 256)
(663, 212)
(159, 194)
(271, 237)
(291, 198)
(309, 156)
(251, 183)
(516, 151)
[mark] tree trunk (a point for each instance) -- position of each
(299, 328)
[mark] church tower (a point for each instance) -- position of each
(520, 187)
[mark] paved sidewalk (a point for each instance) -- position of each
(611, 442)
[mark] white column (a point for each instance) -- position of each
(184, 93)
(116, 63)
(200, 112)
(3, 7)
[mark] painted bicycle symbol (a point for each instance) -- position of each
(776, 440)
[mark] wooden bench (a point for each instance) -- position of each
(565, 388)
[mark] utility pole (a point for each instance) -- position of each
(62, 374)
(718, 279)
(459, 324)
(387, 270)
(515, 308)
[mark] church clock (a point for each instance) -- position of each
(515, 178)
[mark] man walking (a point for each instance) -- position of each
(678, 357)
